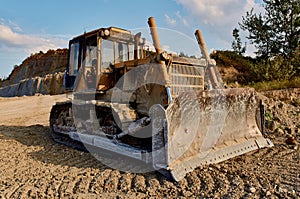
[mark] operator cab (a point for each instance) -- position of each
(93, 57)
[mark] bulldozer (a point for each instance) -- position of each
(167, 112)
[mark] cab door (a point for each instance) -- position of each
(107, 61)
(74, 63)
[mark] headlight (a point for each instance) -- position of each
(105, 33)
(142, 41)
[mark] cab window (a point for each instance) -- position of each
(107, 55)
(113, 52)
(91, 51)
(74, 58)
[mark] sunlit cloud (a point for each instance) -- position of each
(16, 45)
(170, 20)
(12, 38)
(15, 26)
(220, 16)
(182, 19)
(219, 12)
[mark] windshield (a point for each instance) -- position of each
(113, 52)
(91, 51)
(107, 55)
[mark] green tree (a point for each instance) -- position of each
(275, 33)
(181, 54)
(237, 44)
(277, 30)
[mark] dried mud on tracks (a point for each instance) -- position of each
(33, 165)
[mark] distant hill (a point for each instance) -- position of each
(40, 73)
(38, 65)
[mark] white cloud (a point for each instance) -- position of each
(218, 12)
(11, 39)
(15, 45)
(15, 26)
(170, 20)
(219, 16)
(182, 19)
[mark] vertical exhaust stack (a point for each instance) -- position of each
(156, 43)
(215, 81)
(137, 38)
(154, 34)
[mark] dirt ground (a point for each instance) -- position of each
(34, 166)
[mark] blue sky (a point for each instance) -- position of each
(31, 26)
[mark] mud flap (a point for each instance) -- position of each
(204, 128)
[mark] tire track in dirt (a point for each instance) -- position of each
(125, 182)
(207, 182)
(10, 191)
(75, 173)
(221, 183)
(33, 165)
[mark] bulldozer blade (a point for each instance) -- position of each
(205, 127)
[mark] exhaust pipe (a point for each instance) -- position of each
(211, 68)
(156, 43)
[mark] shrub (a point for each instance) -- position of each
(278, 69)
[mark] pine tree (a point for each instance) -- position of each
(275, 32)
(237, 44)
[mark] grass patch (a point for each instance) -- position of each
(276, 85)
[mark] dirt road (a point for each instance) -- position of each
(34, 166)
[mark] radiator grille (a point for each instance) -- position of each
(186, 78)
